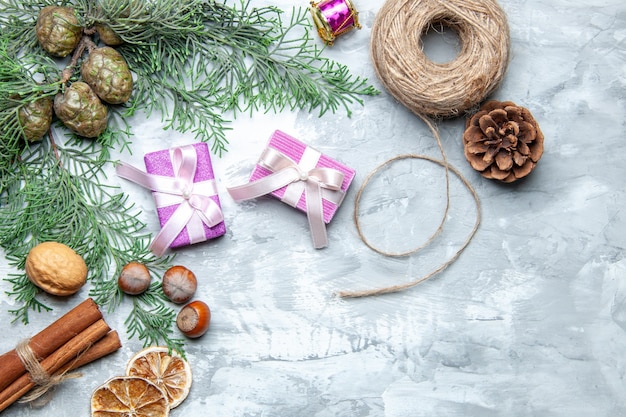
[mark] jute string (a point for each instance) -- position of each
(432, 90)
(440, 89)
(44, 382)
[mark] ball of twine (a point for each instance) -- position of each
(440, 89)
(435, 90)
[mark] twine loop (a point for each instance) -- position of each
(44, 382)
(435, 90)
(400, 287)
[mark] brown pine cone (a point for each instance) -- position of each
(35, 118)
(58, 30)
(503, 141)
(80, 109)
(108, 35)
(107, 73)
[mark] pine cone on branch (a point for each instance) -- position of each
(58, 30)
(503, 141)
(80, 110)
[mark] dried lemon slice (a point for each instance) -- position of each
(168, 371)
(129, 396)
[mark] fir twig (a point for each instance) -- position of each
(26, 293)
(197, 61)
(269, 67)
(17, 88)
(151, 321)
(63, 200)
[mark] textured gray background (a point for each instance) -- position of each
(530, 321)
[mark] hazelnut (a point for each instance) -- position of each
(56, 268)
(134, 278)
(194, 319)
(179, 284)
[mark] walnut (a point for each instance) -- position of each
(503, 141)
(56, 268)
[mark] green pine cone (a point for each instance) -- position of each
(80, 109)
(58, 30)
(108, 35)
(35, 118)
(106, 71)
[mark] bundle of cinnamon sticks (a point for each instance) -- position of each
(77, 338)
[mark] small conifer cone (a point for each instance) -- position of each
(35, 118)
(107, 73)
(80, 109)
(503, 141)
(108, 35)
(58, 30)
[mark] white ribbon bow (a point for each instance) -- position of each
(196, 207)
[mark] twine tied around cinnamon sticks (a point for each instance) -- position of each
(435, 90)
(44, 382)
(77, 338)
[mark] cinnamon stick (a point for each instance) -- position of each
(50, 339)
(51, 364)
(105, 346)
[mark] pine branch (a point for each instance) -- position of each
(183, 105)
(150, 319)
(195, 61)
(26, 293)
(211, 59)
(17, 88)
(17, 22)
(62, 199)
(153, 325)
(270, 65)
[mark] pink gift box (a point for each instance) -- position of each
(160, 163)
(295, 150)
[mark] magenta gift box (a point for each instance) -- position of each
(294, 149)
(160, 163)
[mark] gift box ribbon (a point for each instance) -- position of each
(303, 177)
(195, 205)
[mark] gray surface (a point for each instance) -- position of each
(530, 321)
